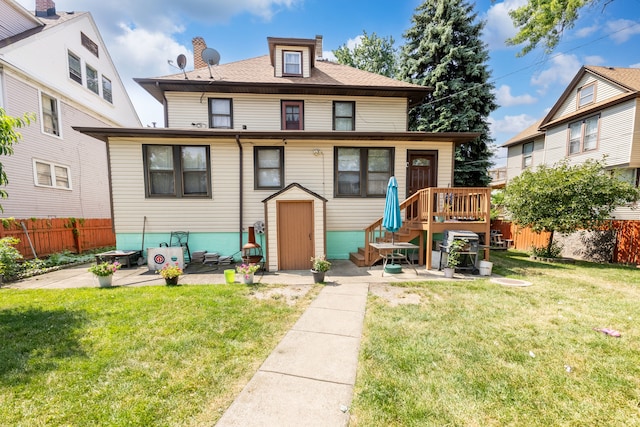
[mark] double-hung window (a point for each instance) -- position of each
(107, 93)
(583, 135)
(92, 80)
(50, 115)
(177, 171)
(51, 175)
(75, 68)
(362, 172)
(269, 167)
(220, 113)
(344, 115)
(292, 115)
(586, 94)
(292, 63)
(527, 155)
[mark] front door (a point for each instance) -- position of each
(421, 171)
(295, 234)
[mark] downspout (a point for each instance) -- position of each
(240, 192)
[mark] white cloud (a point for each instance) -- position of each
(586, 31)
(562, 69)
(511, 125)
(622, 30)
(635, 65)
(594, 60)
(499, 25)
(506, 99)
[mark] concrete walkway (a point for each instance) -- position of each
(308, 379)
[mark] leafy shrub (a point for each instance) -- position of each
(547, 252)
(9, 256)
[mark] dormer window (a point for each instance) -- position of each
(292, 63)
(586, 95)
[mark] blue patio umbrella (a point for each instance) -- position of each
(391, 220)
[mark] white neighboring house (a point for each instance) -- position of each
(56, 65)
(597, 115)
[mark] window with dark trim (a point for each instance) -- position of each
(75, 68)
(583, 135)
(268, 167)
(291, 63)
(292, 115)
(527, 155)
(50, 115)
(177, 170)
(220, 113)
(344, 115)
(362, 172)
(586, 94)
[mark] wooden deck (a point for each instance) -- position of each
(429, 211)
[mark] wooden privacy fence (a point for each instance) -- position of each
(49, 236)
(627, 249)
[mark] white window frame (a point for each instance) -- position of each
(527, 155)
(78, 73)
(55, 119)
(95, 87)
(292, 54)
(52, 174)
(107, 94)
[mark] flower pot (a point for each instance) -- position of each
(247, 279)
(171, 281)
(318, 276)
(448, 272)
(230, 276)
(105, 281)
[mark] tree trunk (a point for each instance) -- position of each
(550, 244)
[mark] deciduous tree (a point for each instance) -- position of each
(9, 136)
(566, 198)
(370, 53)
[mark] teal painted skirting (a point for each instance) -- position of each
(341, 243)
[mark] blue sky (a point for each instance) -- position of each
(142, 35)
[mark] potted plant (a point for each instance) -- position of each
(247, 271)
(319, 266)
(170, 273)
(104, 272)
(454, 257)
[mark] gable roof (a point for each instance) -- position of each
(529, 134)
(256, 75)
(295, 185)
(627, 79)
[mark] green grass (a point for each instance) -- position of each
(475, 353)
(132, 356)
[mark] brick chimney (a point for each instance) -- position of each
(45, 8)
(318, 46)
(198, 46)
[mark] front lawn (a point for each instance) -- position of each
(143, 356)
(475, 353)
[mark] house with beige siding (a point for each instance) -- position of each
(597, 115)
(55, 65)
(289, 140)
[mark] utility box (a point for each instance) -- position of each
(159, 257)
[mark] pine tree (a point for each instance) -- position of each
(444, 51)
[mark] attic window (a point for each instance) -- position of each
(75, 68)
(89, 44)
(586, 94)
(292, 64)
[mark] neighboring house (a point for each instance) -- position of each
(305, 145)
(597, 115)
(55, 65)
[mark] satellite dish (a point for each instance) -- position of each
(258, 227)
(182, 61)
(210, 56)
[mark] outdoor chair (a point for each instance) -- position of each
(180, 238)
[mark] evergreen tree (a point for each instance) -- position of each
(444, 51)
